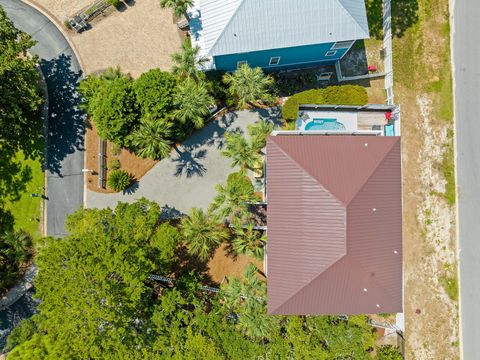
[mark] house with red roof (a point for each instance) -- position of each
(334, 224)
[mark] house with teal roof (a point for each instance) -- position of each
(276, 34)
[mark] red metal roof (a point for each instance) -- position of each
(334, 224)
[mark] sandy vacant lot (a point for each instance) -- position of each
(140, 37)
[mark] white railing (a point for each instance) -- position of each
(387, 48)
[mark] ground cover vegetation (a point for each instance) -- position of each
(21, 149)
(98, 300)
(336, 95)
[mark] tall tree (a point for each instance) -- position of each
(179, 7)
(248, 240)
(203, 232)
(15, 250)
(151, 139)
(20, 122)
(188, 63)
(231, 200)
(154, 91)
(247, 86)
(92, 283)
(193, 102)
(240, 151)
(114, 109)
(259, 132)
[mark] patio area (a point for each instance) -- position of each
(348, 119)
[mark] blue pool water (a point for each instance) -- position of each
(324, 124)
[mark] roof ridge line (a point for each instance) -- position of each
(308, 282)
(373, 172)
(310, 175)
(349, 13)
(226, 26)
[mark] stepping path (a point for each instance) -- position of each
(187, 178)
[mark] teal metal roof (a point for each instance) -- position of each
(238, 26)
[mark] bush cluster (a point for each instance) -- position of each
(332, 95)
(119, 180)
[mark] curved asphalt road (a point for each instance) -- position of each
(66, 123)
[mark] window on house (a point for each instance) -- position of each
(274, 60)
(342, 44)
(330, 53)
(242, 62)
(324, 76)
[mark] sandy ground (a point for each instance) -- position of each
(140, 37)
(135, 165)
(224, 264)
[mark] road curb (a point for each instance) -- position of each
(59, 26)
(45, 114)
(451, 5)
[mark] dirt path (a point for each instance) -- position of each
(423, 89)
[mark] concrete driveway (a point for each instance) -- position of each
(187, 178)
(66, 123)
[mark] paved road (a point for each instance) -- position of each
(66, 122)
(187, 178)
(466, 53)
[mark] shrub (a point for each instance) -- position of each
(332, 95)
(116, 149)
(67, 24)
(114, 164)
(154, 93)
(115, 3)
(114, 110)
(119, 180)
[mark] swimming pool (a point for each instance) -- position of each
(324, 124)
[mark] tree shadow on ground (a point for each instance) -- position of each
(404, 16)
(189, 161)
(168, 212)
(273, 115)
(66, 123)
(132, 189)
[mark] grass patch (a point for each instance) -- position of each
(26, 210)
(450, 284)
(448, 170)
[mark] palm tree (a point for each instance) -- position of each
(193, 102)
(151, 139)
(240, 151)
(187, 62)
(256, 324)
(20, 243)
(231, 200)
(179, 7)
(249, 240)
(259, 132)
(203, 232)
(248, 86)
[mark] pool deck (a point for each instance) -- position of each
(352, 120)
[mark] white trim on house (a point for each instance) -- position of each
(274, 60)
(301, 63)
(342, 45)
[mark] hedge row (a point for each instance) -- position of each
(332, 95)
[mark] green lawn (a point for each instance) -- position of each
(26, 211)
